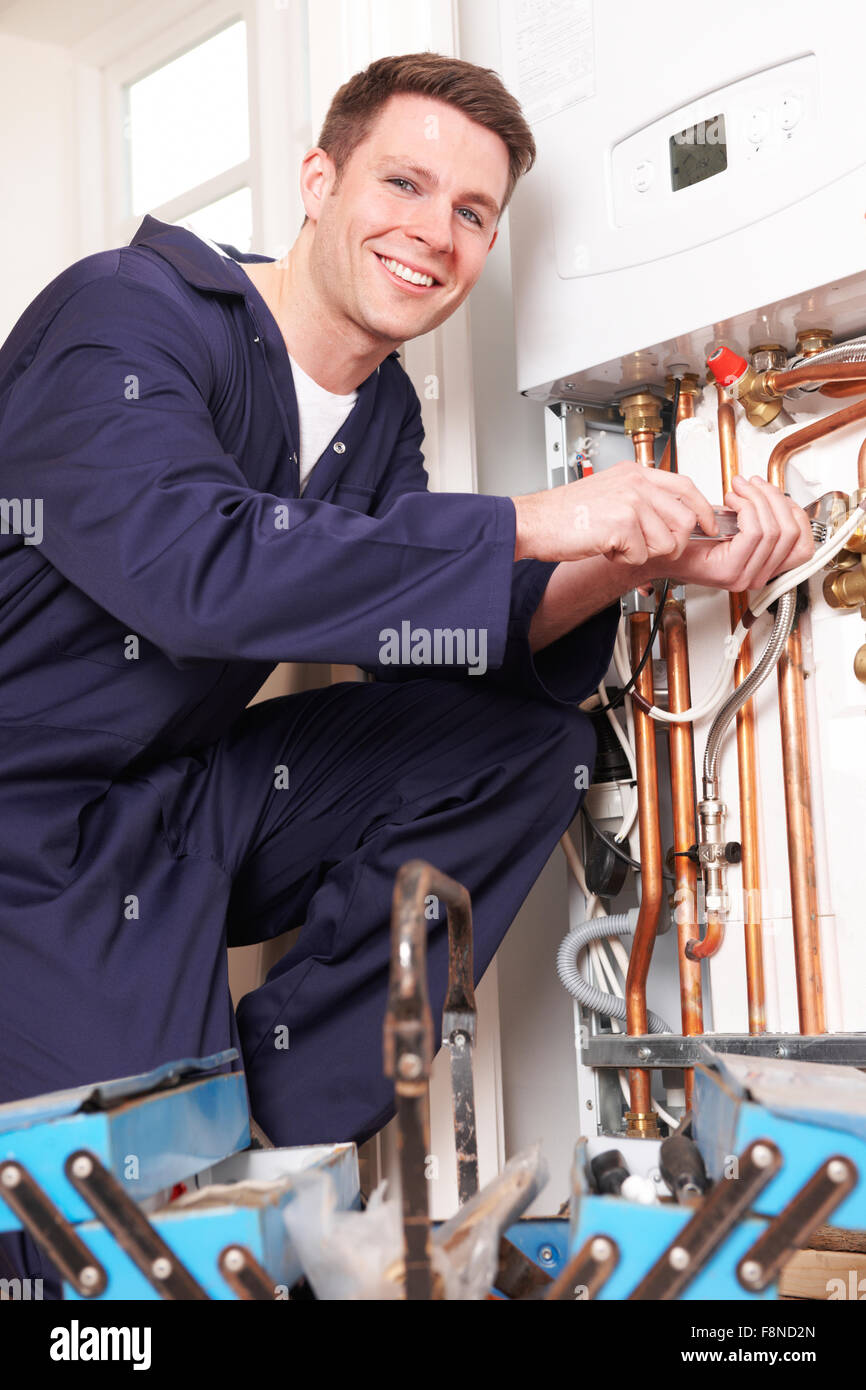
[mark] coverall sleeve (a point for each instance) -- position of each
(110, 425)
(566, 671)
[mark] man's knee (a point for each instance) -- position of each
(564, 746)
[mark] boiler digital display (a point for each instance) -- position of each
(698, 152)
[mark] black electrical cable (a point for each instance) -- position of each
(630, 683)
(614, 847)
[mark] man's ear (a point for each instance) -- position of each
(317, 177)
(493, 242)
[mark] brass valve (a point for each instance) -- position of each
(760, 405)
(745, 384)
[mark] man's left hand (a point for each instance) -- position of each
(774, 536)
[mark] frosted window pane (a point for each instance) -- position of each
(189, 120)
(228, 220)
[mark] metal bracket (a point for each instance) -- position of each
(130, 1227)
(807, 1210)
(244, 1275)
(672, 1050)
(586, 1271)
(712, 1223)
(50, 1228)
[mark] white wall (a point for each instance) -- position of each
(535, 1014)
(509, 430)
(39, 226)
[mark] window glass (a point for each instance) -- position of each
(228, 220)
(188, 120)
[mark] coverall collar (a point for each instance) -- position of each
(197, 263)
(205, 269)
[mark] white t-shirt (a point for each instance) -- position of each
(320, 412)
(320, 415)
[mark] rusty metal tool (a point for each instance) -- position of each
(408, 1050)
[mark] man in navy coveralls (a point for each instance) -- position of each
(148, 818)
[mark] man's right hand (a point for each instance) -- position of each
(629, 512)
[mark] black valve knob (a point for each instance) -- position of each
(733, 852)
(690, 853)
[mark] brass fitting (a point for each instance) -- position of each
(847, 588)
(690, 385)
(641, 411)
(844, 560)
(860, 663)
(812, 340)
(641, 1126)
(759, 403)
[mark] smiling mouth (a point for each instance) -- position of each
(418, 284)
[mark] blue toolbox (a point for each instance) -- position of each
(229, 1231)
(118, 1151)
(784, 1145)
(812, 1111)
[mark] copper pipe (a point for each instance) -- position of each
(780, 380)
(746, 761)
(843, 388)
(793, 443)
(861, 465)
(711, 941)
(681, 745)
(795, 757)
(640, 1091)
(683, 801)
(801, 838)
(685, 411)
(644, 447)
(641, 1120)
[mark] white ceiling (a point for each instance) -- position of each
(70, 22)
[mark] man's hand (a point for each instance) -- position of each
(774, 536)
(643, 516)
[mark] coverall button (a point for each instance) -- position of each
(339, 447)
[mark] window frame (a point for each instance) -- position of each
(146, 57)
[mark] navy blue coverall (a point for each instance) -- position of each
(147, 817)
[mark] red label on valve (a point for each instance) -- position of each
(726, 365)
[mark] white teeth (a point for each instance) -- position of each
(413, 276)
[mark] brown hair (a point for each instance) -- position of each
(477, 92)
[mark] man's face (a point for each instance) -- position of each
(423, 190)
